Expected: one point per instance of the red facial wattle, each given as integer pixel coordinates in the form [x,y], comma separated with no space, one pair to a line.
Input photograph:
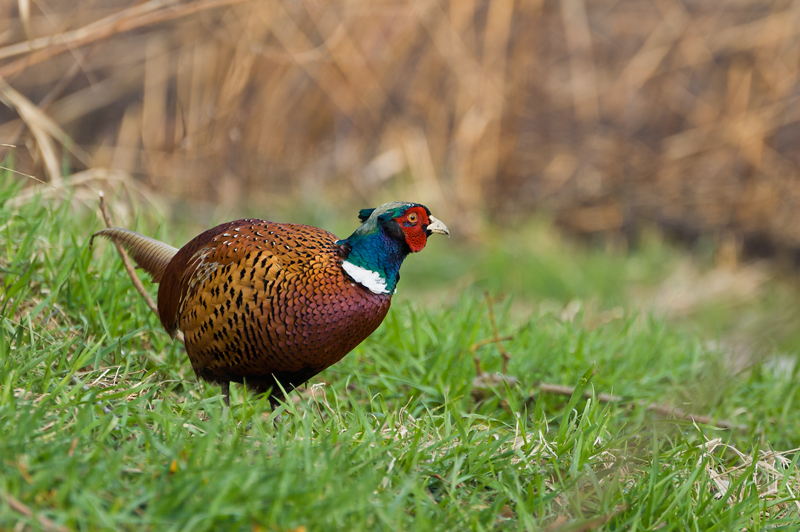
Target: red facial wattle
[413,223]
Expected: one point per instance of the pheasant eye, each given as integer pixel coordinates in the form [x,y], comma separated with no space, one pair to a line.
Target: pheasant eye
[412,217]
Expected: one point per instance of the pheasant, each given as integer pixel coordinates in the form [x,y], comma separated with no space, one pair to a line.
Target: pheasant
[269,304]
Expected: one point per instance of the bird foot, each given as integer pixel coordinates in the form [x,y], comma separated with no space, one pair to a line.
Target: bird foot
[226,393]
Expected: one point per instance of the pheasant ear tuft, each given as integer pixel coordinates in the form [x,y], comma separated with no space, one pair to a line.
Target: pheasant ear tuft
[387,216]
[364,214]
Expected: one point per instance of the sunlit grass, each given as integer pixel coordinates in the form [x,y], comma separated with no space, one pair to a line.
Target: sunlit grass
[104,426]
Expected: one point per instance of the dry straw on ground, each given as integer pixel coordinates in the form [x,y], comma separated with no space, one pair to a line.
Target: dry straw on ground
[606,113]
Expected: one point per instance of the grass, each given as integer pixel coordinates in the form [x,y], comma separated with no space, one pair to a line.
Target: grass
[104,427]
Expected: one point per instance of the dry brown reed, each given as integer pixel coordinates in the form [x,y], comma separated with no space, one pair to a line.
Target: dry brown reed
[606,113]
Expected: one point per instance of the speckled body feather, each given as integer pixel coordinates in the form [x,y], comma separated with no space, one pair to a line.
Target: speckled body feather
[273,304]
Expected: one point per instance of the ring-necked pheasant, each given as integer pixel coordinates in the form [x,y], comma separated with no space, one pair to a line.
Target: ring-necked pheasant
[266,303]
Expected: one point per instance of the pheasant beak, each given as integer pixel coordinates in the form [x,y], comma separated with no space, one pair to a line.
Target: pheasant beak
[436,226]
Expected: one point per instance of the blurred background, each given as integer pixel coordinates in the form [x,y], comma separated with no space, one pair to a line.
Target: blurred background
[563,141]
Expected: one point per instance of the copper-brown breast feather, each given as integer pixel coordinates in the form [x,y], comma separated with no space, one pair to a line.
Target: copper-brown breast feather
[257,298]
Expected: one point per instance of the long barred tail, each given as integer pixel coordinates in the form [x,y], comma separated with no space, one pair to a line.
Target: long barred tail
[149,254]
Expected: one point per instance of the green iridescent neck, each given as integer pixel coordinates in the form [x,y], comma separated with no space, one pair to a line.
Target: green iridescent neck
[375,255]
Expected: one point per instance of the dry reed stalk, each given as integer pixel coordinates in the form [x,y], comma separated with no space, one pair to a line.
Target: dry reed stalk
[682,114]
[40,125]
[148,13]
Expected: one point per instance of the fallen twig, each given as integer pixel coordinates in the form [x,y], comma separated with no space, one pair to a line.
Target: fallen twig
[484,381]
[503,352]
[589,524]
[129,266]
[661,409]
[19,507]
[125,259]
[497,339]
[488,341]
[478,345]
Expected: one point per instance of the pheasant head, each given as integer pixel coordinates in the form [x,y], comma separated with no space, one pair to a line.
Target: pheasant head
[375,251]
